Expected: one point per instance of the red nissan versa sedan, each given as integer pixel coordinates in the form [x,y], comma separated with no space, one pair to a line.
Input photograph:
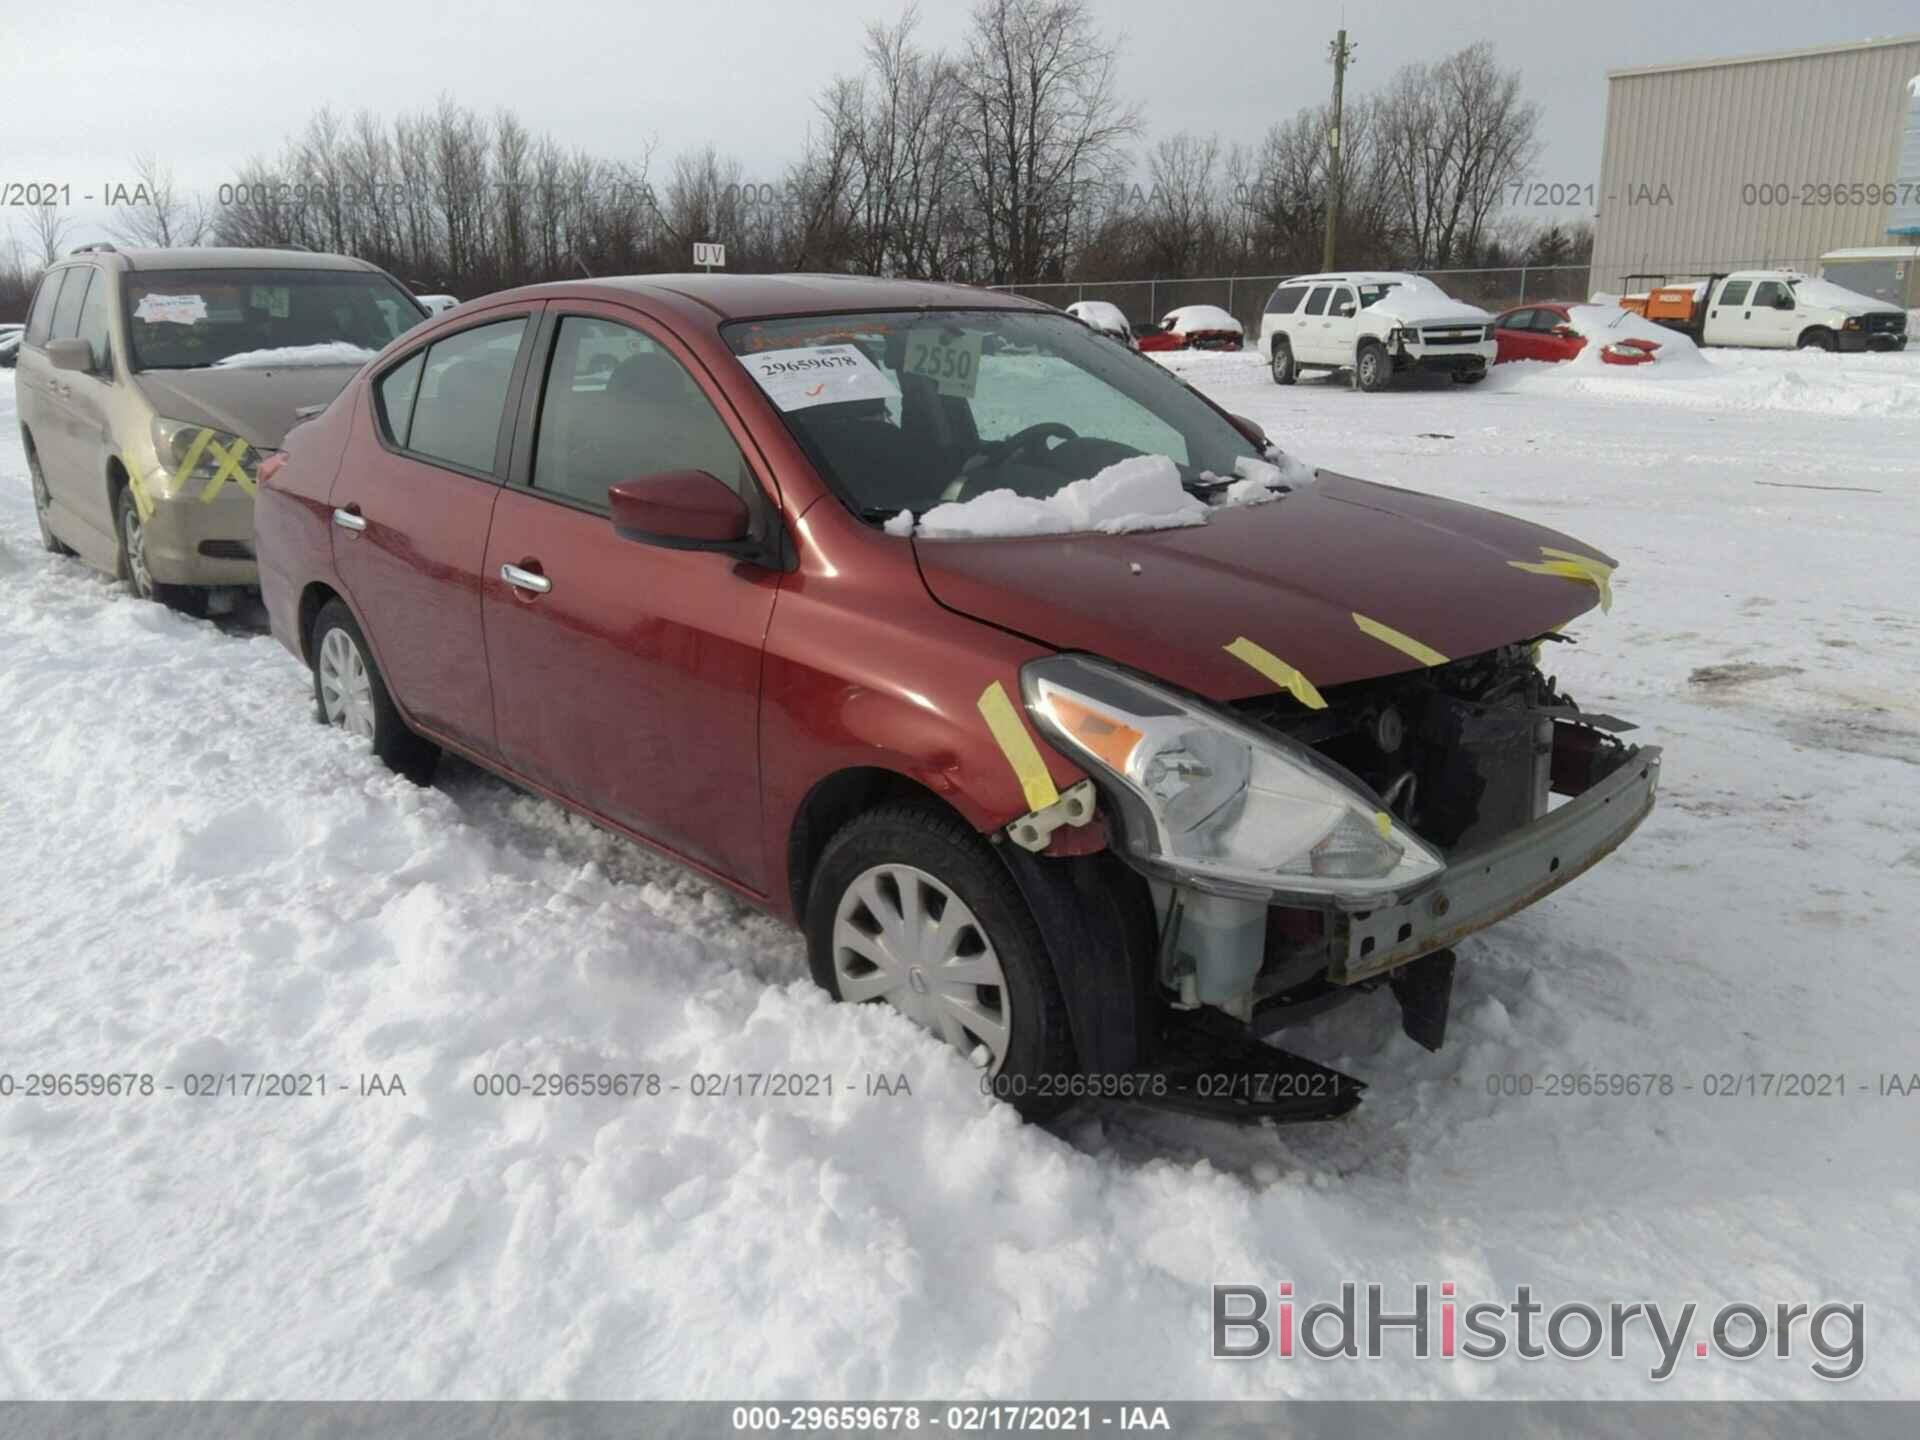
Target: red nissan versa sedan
[1096,808]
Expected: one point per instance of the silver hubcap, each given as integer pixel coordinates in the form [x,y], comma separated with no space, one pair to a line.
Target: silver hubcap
[903,937]
[346,690]
[136,541]
[1369,368]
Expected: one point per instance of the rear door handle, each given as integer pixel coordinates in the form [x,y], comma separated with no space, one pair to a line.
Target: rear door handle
[528,580]
[350,518]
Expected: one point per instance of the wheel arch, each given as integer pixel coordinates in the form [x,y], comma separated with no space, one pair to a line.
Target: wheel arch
[838,798]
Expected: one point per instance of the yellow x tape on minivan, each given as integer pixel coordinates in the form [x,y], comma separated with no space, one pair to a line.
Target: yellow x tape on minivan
[230,468]
[142,501]
[1569,566]
[1017,745]
[1405,644]
[1278,671]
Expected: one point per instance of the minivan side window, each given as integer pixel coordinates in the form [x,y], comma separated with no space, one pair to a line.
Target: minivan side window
[93,323]
[66,313]
[1734,291]
[463,394]
[1286,299]
[1317,303]
[40,322]
[618,406]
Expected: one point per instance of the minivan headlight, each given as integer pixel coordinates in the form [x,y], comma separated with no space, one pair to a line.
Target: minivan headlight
[178,441]
[1222,804]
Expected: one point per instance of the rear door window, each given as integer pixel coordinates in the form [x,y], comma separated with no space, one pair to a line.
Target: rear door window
[1317,302]
[463,395]
[40,322]
[1734,292]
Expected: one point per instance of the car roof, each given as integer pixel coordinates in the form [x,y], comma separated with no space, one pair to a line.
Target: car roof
[222,257]
[1352,277]
[764,297]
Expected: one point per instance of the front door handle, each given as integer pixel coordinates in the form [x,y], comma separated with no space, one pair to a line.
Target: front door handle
[350,519]
[529,580]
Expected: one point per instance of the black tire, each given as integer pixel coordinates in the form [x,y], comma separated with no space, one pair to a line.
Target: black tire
[403,752]
[1817,337]
[42,502]
[1284,370]
[130,564]
[1469,377]
[1372,369]
[1040,1044]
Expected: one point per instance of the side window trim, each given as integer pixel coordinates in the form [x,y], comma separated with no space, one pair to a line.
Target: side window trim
[534,315]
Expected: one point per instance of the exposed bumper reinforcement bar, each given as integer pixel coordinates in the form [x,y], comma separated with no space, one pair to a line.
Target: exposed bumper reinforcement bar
[1483,886]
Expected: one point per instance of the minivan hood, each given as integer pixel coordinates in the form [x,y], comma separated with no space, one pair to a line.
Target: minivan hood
[257,403]
[1289,575]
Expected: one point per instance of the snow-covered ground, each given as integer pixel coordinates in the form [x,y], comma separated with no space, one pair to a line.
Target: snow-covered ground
[199,879]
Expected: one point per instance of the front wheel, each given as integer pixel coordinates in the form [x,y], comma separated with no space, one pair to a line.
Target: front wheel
[131,527]
[1817,338]
[1469,377]
[911,907]
[349,693]
[1284,372]
[1371,367]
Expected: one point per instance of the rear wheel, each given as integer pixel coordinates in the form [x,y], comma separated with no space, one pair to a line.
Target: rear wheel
[1371,367]
[131,528]
[1817,338]
[350,694]
[43,504]
[1283,368]
[911,907]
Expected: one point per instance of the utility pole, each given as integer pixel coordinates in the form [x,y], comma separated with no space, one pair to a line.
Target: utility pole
[1341,53]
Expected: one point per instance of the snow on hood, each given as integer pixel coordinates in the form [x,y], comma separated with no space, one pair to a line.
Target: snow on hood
[1426,304]
[1838,297]
[1192,319]
[1139,493]
[1101,314]
[334,352]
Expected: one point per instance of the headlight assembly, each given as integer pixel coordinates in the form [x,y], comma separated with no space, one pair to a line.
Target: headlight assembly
[191,454]
[1219,804]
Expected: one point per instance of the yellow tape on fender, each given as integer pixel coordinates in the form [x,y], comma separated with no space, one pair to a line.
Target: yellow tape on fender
[1017,745]
[1569,566]
[1278,671]
[1405,644]
[142,501]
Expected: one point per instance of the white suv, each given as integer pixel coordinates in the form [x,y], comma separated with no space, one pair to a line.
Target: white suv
[1376,324]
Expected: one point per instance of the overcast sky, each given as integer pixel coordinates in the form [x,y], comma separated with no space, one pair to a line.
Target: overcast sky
[208,85]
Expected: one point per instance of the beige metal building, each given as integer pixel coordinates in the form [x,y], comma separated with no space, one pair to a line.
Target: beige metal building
[1755,161]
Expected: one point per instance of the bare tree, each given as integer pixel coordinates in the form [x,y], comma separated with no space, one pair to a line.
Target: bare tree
[171,215]
[48,229]
[1041,120]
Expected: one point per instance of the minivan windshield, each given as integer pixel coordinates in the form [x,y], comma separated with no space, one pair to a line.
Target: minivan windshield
[187,319]
[902,410]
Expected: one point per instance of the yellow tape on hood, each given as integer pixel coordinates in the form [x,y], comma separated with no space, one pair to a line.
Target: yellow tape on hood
[1569,566]
[1017,745]
[1278,671]
[1405,644]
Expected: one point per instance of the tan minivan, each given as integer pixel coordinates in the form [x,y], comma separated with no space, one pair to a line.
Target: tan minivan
[151,382]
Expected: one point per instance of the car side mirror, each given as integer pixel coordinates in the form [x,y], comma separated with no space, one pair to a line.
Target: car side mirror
[681,510]
[70,354]
[1251,429]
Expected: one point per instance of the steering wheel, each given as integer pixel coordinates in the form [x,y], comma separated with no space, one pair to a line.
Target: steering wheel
[1001,451]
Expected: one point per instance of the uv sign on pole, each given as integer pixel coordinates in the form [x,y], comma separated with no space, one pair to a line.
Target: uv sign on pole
[710,255]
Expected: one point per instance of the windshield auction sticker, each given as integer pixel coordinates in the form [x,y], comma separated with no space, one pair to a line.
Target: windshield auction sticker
[818,375]
[950,358]
[171,309]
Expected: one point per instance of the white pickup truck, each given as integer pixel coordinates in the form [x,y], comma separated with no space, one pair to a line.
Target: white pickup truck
[1774,309]
[1377,324]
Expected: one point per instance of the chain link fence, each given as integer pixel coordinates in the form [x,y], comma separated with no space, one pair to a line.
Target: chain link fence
[1245,296]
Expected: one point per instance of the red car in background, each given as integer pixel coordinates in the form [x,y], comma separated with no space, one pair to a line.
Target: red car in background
[1545,332]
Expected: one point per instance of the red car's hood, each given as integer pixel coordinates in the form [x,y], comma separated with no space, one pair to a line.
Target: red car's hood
[1289,575]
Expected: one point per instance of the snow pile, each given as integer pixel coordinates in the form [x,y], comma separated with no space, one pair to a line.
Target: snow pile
[1199,319]
[333,352]
[1677,358]
[1140,493]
